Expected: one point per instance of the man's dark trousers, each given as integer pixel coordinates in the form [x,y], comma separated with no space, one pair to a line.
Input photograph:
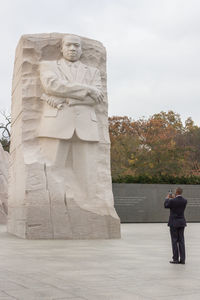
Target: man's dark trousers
[178,243]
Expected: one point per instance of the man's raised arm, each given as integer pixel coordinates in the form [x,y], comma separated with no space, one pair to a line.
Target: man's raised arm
[168,202]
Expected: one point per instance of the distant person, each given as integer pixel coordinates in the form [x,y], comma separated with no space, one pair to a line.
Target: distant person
[177,223]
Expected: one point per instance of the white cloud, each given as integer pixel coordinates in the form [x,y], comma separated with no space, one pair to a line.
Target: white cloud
[153,48]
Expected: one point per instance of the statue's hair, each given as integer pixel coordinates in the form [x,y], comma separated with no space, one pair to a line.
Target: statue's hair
[68,35]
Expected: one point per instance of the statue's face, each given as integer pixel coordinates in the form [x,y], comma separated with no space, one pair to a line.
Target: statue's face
[71,48]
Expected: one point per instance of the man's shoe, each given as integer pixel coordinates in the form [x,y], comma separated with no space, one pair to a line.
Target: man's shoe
[181,262]
[174,262]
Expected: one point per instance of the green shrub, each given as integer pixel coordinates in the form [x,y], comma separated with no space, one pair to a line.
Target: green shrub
[158,179]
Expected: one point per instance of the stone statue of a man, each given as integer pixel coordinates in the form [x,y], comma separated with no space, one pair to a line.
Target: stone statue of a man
[60,184]
[68,129]
[72,90]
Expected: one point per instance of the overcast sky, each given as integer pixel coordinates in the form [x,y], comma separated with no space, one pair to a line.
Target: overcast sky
[153,48]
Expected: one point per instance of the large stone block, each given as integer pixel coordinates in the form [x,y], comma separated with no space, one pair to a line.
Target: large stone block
[60,181]
[4,165]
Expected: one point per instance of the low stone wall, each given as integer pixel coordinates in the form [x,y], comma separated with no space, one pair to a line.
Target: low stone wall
[143,203]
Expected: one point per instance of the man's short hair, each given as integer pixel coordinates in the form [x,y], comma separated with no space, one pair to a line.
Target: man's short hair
[179,191]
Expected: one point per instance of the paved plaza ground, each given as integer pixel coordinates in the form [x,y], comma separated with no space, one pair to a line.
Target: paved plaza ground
[133,268]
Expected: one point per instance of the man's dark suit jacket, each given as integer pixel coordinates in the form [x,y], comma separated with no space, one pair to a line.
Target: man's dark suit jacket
[177,206]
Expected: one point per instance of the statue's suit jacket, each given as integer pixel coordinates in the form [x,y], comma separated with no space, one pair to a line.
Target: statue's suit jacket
[177,206]
[78,112]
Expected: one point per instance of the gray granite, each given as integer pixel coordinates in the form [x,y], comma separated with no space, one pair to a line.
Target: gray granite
[144,202]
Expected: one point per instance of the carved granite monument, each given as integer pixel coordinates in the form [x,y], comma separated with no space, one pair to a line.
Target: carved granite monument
[60,183]
[4,164]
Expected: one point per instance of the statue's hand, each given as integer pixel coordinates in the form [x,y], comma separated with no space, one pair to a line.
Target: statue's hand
[56,103]
[96,95]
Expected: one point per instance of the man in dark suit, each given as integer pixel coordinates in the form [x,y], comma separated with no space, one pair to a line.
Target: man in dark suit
[177,225]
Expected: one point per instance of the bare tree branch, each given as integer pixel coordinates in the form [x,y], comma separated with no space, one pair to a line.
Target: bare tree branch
[5,126]
[5,130]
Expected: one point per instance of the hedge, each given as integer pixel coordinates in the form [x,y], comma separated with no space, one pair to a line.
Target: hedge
[157,179]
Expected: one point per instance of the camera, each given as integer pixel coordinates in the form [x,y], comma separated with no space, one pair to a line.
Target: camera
[170,193]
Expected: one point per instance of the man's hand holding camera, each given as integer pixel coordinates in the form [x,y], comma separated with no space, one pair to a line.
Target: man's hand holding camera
[170,195]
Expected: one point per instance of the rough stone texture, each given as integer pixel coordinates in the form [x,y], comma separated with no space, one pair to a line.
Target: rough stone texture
[4,165]
[39,206]
[144,202]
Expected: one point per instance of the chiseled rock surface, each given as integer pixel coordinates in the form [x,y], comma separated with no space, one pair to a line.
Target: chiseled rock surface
[4,165]
[45,200]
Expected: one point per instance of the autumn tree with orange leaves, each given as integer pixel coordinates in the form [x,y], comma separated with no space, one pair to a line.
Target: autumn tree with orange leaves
[159,145]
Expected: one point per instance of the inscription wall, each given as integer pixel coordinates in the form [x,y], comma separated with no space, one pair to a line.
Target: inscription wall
[145,202]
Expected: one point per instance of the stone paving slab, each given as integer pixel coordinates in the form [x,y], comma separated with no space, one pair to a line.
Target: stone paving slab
[133,268]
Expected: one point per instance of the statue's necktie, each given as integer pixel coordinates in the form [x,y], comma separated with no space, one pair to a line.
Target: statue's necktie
[73,70]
